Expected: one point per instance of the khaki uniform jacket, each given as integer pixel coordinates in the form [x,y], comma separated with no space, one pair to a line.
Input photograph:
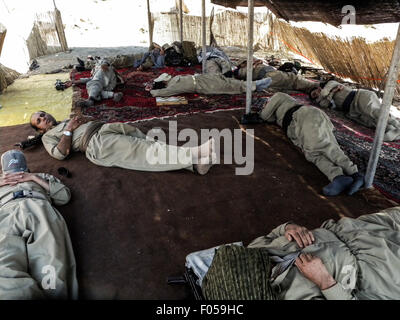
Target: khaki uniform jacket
[34,241]
[361,254]
[364,109]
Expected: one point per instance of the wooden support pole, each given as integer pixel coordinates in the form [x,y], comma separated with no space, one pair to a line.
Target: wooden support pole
[60,29]
[203,29]
[384,113]
[180,21]
[149,23]
[249,77]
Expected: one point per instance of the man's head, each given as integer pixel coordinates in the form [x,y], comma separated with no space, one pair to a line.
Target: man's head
[161,81]
[315,93]
[42,121]
[242,63]
[13,161]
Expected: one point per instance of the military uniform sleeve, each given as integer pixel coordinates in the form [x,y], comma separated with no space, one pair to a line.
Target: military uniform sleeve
[325,102]
[59,193]
[50,143]
[337,292]
[278,231]
[266,240]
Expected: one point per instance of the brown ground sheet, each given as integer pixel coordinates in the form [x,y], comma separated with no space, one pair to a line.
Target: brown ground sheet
[131,230]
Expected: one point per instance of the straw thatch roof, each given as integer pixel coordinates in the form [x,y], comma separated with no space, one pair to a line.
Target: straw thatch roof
[367,12]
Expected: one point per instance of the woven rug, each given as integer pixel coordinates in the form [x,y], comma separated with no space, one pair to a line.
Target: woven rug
[138,104]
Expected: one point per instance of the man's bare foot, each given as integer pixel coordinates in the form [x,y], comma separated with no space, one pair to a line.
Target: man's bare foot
[202,169]
[204,151]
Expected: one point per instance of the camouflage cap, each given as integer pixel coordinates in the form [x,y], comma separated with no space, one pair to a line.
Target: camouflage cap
[13,161]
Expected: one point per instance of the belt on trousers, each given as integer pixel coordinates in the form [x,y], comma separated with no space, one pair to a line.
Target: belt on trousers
[288,117]
[22,194]
[347,102]
[90,131]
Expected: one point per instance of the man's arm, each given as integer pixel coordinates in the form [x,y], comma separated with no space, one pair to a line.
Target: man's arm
[61,148]
[314,270]
[291,231]
[58,192]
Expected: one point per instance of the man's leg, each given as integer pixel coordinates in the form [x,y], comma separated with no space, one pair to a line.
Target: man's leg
[94,91]
[141,61]
[50,254]
[117,96]
[124,146]
[212,67]
[313,133]
[369,107]
[218,84]
[15,280]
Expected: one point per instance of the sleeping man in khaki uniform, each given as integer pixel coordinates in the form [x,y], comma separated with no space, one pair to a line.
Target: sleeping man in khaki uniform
[362,106]
[101,84]
[212,83]
[36,256]
[310,129]
[348,259]
[118,145]
[280,80]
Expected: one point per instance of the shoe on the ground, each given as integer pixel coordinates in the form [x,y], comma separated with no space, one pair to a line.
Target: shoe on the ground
[251,118]
[88,103]
[118,96]
[263,84]
[81,62]
[358,182]
[337,186]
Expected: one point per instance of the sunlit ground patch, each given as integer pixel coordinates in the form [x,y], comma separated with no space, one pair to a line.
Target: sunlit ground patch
[26,96]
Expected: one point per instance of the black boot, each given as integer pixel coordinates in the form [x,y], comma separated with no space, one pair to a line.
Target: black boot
[251,118]
[358,182]
[88,103]
[337,186]
[81,62]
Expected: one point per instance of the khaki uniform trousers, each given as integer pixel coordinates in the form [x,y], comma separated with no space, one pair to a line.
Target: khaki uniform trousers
[312,131]
[124,146]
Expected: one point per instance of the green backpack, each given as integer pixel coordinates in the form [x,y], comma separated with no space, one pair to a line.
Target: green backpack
[239,273]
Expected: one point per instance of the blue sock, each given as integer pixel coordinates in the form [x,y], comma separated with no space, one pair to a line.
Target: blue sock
[337,186]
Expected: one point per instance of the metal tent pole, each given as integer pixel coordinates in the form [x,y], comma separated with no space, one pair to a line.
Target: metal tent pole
[250,26]
[203,29]
[384,113]
[149,22]
[180,21]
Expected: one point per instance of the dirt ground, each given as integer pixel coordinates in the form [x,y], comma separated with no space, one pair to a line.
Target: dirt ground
[131,230]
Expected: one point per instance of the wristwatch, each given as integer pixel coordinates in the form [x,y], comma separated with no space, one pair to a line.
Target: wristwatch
[67,133]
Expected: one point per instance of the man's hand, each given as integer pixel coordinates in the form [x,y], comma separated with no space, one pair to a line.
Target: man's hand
[257,62]
[76,122]
[338,88]
[314,270]
[301,235]
[16,177]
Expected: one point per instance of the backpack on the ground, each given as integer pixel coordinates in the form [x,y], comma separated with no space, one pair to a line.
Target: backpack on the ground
[189,53]
[174,56]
